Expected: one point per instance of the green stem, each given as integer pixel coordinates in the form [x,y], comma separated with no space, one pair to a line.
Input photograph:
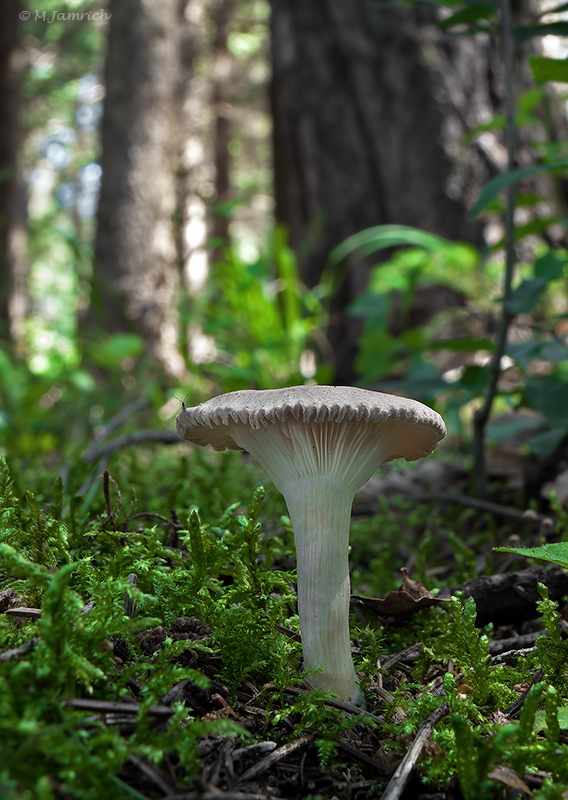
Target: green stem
[481,416]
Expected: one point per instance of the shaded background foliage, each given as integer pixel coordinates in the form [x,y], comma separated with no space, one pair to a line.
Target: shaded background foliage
[207,196]
[179,178]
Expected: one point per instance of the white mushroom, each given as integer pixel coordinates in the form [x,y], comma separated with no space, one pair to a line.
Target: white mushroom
[319,444]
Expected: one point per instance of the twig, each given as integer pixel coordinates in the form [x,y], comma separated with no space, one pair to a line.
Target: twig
[340,705]
[160,437]
[481,505]
[21,650]
[115,707]
[276,755]
[508,654]
[176,692]
[287,632]
[254,750]
[382,769]
[152,774]
[130,603]
[112,424]
[481,416]
[400,778]
[223,769]
[22,611]
[394,658]
[516,706]
[216,795]
[161,517]
[502,649]
[106,492]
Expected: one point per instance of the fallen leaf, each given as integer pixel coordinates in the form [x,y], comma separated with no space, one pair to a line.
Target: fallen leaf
[411,597]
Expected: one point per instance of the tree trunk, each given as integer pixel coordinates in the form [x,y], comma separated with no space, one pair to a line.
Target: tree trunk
[359,131]
[136,276]
[221,11]
[13,263]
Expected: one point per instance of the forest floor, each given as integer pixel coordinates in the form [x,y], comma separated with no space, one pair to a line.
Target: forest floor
[438,663]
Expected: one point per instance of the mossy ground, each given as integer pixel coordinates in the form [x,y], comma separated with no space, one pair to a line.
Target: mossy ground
[163,657]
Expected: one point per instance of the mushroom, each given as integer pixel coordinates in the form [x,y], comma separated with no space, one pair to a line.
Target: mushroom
[318,444]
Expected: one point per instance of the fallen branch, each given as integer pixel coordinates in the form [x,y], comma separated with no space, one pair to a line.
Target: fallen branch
[23,611]
[115,707]
[216,795]
[272,758]
[21,650]
[379,766]
[341,705]
[400,778]
[158,437]
[511,597]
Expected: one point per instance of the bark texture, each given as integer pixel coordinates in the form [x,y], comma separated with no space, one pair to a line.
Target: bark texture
[137,272]
[511,597]
[13,264]
[360,134]
[221,12]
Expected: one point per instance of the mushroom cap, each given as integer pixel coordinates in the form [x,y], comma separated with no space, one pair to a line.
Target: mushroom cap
[215,422]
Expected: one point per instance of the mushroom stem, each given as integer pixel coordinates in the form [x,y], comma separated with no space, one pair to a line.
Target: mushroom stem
[320,512]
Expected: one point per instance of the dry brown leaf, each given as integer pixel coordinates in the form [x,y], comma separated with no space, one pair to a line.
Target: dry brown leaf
[411,597]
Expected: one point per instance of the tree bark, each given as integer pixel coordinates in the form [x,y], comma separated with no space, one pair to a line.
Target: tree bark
[359,130]
[221,11]
[13,263]
[510,598]
[137,274]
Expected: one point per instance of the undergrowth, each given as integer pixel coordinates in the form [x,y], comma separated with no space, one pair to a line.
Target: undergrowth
[112,586]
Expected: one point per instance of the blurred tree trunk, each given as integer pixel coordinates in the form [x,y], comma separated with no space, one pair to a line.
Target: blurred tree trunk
[13,263]
[359,135]
[221,12]
[137,274]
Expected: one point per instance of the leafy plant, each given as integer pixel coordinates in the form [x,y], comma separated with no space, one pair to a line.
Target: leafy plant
[262,326]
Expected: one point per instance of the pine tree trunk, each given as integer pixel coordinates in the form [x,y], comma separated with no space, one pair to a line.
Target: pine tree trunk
[137,273]
[221,11]
[13,263]
[359,130]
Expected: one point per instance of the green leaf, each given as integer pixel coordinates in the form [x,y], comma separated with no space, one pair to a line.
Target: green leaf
[549,69]
[525,32]
[521,423]
[549,395]
[423,380]
[557,552]
[382,236]
[468,15]
[524,353]
[563,717]
[526,296]
[550,266]
[369,305]
[474,380]
[112,351]
[545,443]
[495,185]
